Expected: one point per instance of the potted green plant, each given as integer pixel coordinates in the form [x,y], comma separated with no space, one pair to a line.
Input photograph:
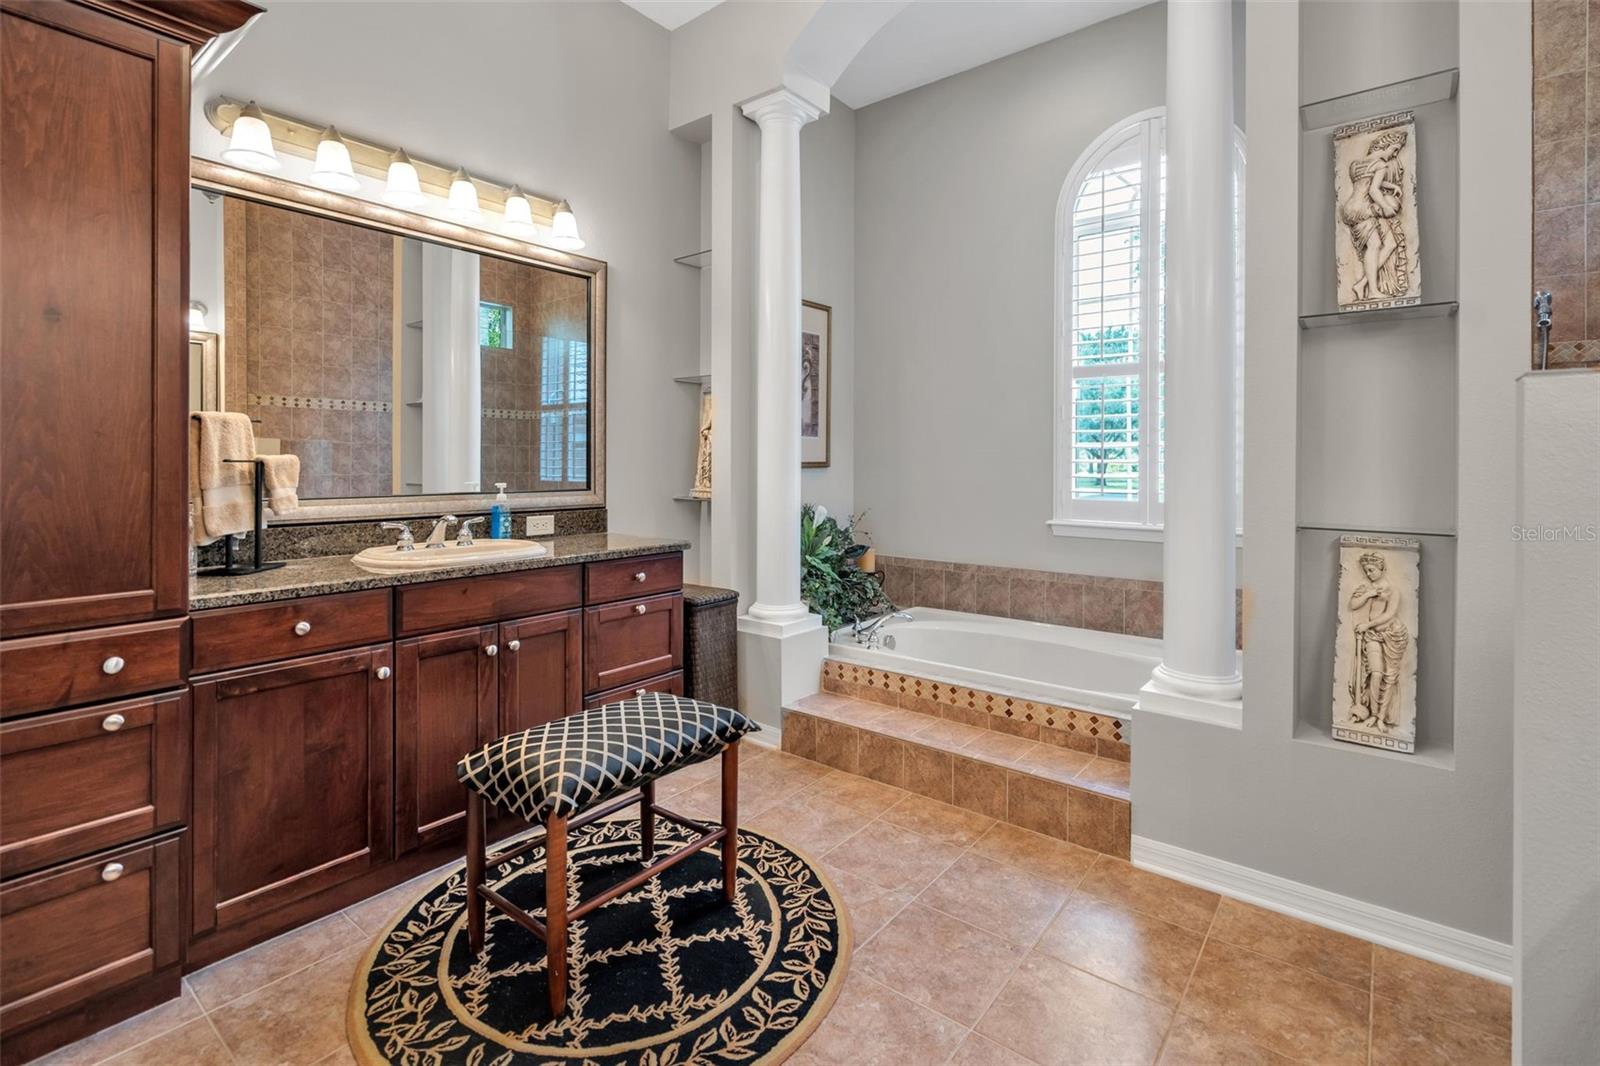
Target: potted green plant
[830,582]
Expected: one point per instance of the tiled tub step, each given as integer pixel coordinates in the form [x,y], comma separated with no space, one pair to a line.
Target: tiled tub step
[1068,794]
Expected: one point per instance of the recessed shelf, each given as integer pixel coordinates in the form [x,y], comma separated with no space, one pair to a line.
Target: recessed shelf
[698,260]
[1437,309]
[701,380]
[1368,531]
[1380,100]
[692,499]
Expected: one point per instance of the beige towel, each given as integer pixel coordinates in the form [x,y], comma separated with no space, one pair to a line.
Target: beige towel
[222,489]
[283,481]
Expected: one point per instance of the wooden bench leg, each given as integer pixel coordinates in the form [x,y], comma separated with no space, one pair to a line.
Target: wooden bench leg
[475,863]
[555,907]
[647,820]
[730,821]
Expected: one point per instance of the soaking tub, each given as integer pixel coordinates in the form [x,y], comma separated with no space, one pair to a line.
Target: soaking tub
[1080,668]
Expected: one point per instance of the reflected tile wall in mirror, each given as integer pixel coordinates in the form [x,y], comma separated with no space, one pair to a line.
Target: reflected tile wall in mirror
[345,345]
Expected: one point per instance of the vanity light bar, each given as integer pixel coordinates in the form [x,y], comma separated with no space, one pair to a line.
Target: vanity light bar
[301,138]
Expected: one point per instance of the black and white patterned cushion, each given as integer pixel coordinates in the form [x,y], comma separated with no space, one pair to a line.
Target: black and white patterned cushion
[566,766]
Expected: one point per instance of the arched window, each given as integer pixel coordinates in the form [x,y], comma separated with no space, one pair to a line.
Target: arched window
[1110,330]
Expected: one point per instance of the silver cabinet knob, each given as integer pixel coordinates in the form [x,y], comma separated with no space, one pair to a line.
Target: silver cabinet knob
[112,665]
[514,645]
[640,691]
[491,650]
[640,576]
[111,871]
[302,628]
[383,673]
[113,722]
[639,608]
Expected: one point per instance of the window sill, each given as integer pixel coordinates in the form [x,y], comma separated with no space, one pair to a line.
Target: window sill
[1063,527]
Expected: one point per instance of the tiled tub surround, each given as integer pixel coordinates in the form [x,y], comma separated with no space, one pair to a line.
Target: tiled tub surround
[1083,601]
[1058,791]
[317,539]
[1061,727]
[1566,176]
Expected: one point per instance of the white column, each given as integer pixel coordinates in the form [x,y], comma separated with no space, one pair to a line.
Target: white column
[780,115]
[1199,672]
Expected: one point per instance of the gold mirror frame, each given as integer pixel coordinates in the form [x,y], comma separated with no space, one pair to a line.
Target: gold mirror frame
[219,177]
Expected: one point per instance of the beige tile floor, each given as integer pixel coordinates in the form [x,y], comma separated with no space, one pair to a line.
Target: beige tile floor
[977,943]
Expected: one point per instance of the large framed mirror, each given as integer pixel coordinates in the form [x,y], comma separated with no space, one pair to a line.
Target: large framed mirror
[409,362]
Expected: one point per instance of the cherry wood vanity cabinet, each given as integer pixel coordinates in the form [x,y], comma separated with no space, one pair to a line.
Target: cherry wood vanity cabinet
[94,195]
[294,807]
[292,782]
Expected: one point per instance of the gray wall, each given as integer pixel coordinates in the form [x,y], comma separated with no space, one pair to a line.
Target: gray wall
[956,189]
[828,276]
[568,100]
[1428,836]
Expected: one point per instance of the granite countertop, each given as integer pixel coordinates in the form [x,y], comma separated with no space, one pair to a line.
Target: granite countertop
[336,573]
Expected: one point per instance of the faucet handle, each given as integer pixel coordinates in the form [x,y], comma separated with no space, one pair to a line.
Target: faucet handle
[464,534]
[406,542]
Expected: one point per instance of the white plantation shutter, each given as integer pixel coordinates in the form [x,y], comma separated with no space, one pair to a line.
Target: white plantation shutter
[1110,328]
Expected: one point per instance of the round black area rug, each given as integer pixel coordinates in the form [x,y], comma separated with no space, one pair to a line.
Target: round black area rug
[664,975]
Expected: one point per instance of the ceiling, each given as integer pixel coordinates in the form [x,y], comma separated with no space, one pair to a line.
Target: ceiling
[671,13]
[933,39]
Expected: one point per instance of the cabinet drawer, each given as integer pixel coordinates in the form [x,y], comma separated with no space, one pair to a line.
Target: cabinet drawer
[621,579]
[631,641]
[672,683]
[261,633]
[42,673]
[471,601]
[74,782]
[86,927]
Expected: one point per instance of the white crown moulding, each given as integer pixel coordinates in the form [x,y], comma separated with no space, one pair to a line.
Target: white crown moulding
[300,137]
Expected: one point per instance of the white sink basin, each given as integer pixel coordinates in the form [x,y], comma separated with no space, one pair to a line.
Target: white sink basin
[389,560]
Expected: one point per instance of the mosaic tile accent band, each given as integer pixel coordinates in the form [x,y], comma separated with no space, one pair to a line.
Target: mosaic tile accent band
[1066,727]
[510,413]
[319,403]
[1083,601]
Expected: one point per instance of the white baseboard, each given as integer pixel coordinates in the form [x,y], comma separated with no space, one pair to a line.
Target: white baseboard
[1404,932]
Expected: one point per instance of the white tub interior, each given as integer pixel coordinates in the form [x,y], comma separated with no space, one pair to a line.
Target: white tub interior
[1067,667]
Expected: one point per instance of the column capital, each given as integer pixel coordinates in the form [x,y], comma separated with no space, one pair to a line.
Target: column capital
[781,106]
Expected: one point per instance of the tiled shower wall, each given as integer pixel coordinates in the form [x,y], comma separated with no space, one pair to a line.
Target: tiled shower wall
[311,355]
[1566,175]
[1083,601]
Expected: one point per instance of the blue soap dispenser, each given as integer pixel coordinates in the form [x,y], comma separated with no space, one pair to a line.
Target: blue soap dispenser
[500,514]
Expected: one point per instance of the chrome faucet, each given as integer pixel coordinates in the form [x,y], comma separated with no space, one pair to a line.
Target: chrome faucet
[436,538]
[464,534]
[406,543]
[866,633]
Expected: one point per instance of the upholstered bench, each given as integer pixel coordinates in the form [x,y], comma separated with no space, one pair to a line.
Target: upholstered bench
[561,775]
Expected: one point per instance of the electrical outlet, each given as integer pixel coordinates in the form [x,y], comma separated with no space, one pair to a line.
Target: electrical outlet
[541,525]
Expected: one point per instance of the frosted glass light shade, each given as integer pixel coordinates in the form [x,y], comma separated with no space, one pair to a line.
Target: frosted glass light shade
[564,229]
[197,317]
[403,188]
[463,202]
[250,142]
[332,169]
[519,214]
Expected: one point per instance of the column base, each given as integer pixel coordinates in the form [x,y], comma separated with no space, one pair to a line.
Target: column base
[778,664]
[784,614]
[1214,701]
